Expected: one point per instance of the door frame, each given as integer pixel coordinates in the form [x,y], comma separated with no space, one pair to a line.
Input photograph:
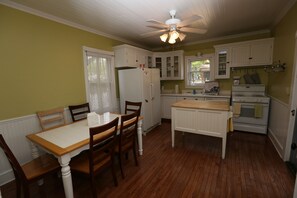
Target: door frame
[293,105]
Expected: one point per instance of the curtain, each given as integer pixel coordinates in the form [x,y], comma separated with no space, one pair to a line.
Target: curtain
[100,83]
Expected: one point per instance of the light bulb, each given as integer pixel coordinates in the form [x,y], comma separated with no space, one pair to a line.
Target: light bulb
[171,40]
[174,34]
[164,37]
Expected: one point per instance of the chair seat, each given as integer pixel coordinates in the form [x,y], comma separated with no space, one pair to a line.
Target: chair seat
[81,163]
[40,166]
[125,147]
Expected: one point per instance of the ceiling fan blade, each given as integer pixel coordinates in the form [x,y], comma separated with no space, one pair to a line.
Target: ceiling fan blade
[161,24]
[157,27]
[148,34]
[193,30]
[190,20]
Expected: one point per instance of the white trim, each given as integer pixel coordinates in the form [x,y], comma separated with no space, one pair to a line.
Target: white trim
[112,63]
[204,56]
[292,106]
[62,21]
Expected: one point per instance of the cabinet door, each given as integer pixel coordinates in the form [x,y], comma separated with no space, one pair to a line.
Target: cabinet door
[261,53]
[166,102]
[240,55]
[222,64]
[158,63]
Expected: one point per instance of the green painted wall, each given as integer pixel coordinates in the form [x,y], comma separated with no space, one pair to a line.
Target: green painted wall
[206,48]
[284,47]
[41,63]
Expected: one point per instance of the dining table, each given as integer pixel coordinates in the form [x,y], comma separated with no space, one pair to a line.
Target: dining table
[69,140]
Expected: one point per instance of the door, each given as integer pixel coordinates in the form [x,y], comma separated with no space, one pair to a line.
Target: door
[147,103]
[156,100]
[293,154]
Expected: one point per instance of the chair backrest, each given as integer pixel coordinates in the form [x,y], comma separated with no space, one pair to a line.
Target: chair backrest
[102,139]
[132,107]
[128,128]
[16,167]
[51,118]
[79,112]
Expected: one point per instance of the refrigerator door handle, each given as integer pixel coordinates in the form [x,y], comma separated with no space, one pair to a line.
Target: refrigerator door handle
[152,91]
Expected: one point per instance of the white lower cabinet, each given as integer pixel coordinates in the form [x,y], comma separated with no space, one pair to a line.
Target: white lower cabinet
[166,102]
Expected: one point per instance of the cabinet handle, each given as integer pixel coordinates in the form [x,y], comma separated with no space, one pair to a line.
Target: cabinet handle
[250,58]
[228,62]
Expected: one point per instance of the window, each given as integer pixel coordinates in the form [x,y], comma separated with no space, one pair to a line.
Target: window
[199,70]
[99,78]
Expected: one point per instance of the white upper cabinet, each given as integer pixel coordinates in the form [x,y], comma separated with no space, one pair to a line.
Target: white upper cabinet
[171,65]
[252,53]
[129,56]
[222,62]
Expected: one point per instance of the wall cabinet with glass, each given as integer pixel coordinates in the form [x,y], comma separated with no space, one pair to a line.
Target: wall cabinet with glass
[222,62]
[170,65]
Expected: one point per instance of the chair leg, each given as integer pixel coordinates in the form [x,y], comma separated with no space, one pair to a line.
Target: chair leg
[135,155]
[94,192]
[121,164]
[26,191]
[19,188]
[113,174]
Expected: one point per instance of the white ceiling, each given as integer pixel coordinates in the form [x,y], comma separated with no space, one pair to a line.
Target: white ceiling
[125,20]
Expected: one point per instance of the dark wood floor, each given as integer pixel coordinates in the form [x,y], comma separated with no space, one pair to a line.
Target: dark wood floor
[194,168]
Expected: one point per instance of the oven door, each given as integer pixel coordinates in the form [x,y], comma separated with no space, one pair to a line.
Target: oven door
[248,113]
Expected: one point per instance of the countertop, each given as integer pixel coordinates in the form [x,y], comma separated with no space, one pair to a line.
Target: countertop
[199,95]
[197,104]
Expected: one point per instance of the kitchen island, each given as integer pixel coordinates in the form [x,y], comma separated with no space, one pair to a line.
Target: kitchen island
[201,117]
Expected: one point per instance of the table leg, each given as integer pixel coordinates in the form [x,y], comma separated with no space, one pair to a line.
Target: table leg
[66,175]
[172,130]
[223,147]
[139,136]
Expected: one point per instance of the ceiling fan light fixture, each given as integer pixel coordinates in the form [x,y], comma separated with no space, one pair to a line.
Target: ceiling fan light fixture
[182,36]
[164,37]
[171,40]
[174,35]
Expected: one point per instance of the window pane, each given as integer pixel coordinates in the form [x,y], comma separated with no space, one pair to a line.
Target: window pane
[199,71]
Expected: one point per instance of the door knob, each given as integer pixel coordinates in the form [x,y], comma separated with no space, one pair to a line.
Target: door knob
[293,112]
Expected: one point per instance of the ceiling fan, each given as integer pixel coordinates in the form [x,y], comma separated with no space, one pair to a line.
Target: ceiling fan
[173,28]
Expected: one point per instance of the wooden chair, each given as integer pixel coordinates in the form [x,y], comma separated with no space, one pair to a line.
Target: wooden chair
[100,154]
[79,112]
[132,107]
[31,171]
[51,118]
[127,140]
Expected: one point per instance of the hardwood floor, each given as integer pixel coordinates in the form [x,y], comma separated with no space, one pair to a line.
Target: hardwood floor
[194,168]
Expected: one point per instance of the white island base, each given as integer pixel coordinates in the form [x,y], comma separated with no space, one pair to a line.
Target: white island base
[201,117]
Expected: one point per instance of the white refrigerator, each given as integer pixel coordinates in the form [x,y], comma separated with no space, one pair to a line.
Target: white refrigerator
[142,85]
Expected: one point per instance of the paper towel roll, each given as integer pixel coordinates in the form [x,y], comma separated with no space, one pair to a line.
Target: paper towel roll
[176,89]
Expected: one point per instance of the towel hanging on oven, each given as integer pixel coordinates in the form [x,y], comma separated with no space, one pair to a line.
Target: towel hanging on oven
[236,109]
[258,110]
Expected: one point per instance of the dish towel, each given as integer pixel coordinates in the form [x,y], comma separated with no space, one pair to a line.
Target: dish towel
[236,109]
[258,110]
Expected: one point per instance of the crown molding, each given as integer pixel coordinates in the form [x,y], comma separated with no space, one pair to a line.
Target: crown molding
[63,21]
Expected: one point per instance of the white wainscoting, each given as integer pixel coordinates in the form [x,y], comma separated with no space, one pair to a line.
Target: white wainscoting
[278,125]
[14,132]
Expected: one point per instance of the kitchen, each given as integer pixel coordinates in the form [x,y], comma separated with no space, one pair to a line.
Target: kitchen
[278,84]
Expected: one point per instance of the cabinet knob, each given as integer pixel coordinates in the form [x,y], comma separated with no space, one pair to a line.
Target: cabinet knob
[250,58]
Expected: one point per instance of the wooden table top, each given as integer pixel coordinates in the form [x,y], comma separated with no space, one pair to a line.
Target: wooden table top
[201,104]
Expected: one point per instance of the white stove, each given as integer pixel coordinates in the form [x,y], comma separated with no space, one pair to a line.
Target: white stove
[250,108]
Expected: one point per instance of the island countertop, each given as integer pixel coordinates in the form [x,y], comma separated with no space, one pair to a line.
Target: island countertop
[198,104]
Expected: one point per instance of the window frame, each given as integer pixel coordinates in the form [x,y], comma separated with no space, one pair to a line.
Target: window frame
[106,54]
[189,59]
